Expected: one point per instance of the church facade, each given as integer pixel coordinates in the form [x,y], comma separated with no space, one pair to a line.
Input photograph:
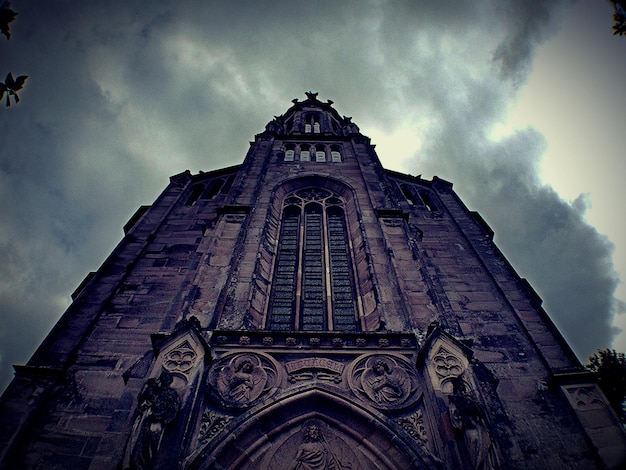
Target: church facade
[306,309]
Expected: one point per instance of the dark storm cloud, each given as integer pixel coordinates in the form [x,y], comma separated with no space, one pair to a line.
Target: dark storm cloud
[124,94]
[545,238]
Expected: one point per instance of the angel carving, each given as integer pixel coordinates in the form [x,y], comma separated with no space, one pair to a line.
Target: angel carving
[242,380]
[384,382]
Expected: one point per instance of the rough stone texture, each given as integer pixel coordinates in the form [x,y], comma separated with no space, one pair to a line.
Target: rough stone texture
[452,362]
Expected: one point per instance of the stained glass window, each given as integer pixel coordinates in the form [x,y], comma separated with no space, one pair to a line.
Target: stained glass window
[313,283]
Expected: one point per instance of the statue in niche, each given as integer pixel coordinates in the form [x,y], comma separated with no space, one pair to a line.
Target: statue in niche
[241,380]
[469,420]
[158,406]
[384,382]
[315,453]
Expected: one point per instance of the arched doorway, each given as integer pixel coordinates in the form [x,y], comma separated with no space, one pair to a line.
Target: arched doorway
[312,429]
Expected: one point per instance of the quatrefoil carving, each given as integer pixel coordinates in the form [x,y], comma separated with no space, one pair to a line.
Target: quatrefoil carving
[181,359]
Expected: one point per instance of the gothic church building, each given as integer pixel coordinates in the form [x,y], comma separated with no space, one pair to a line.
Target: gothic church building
[306,309]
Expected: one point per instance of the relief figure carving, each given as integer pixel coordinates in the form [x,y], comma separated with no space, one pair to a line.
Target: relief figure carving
[241,379]
[315,453]
[384,382]
[388,381]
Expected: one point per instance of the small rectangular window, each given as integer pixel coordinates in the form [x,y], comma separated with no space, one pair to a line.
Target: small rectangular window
[305,156]
[335,156]
[320,156]
[316,127]
[289,155]
[307,128]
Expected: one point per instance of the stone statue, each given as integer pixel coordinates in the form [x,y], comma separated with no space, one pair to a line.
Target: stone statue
[158,406]
[469,420]
[315,454]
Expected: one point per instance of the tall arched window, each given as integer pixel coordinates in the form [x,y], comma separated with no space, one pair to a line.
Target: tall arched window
[313,285]
[312,124]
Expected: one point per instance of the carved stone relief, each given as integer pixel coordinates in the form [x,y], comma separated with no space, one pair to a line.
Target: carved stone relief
[414,426]
[238,380]
[182,358]
[211,424]
[445,363]
[314,446]
[313,368]
[585,397]
[386,381]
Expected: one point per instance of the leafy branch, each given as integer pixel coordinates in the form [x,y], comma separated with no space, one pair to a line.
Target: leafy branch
[610,369]
[6,17]
[11,86]
[619,17]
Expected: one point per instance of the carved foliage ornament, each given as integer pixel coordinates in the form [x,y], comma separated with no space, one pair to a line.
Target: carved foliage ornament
[414,426]
[238,380]
[211,424]
[388,382]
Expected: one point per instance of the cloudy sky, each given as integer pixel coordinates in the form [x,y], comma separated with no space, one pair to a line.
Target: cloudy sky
[520,104]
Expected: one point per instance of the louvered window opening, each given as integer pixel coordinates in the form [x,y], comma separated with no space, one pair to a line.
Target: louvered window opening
[313,285]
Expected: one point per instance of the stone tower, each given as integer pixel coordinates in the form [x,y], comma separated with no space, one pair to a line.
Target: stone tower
[306,309]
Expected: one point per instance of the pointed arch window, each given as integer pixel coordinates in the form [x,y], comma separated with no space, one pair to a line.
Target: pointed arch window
[313,285]
[312,124]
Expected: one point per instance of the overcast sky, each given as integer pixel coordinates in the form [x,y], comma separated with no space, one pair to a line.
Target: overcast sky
[520,104]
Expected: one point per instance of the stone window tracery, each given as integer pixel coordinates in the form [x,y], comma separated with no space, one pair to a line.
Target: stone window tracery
[313,283]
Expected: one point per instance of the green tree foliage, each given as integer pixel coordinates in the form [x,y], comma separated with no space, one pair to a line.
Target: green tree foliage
[6,17]
[610,367]
[11,86]
[619,17]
